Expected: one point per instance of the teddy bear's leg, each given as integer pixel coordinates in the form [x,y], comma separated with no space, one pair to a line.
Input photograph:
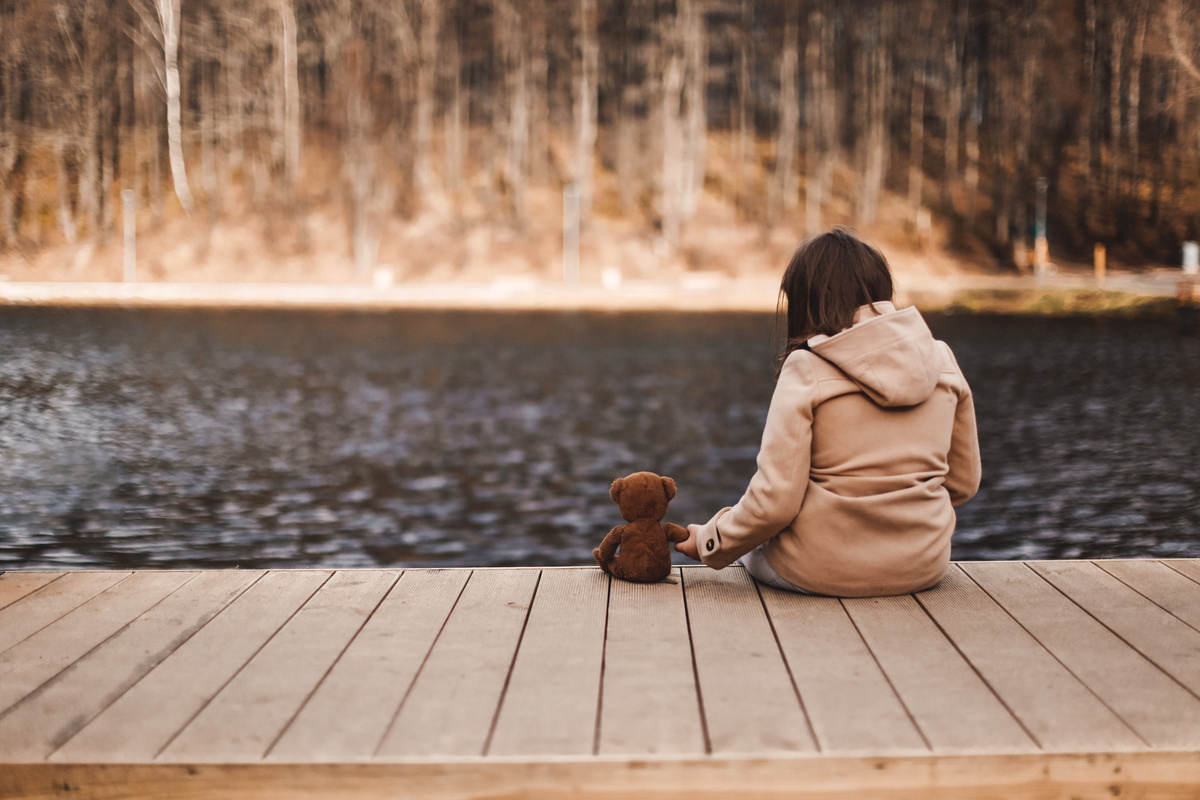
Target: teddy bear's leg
[608,549]
[599,556]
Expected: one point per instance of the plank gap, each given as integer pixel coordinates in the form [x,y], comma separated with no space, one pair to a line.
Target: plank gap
[16,586]
[1125,581]
[911,717]
[1194,693]
[487,742]
[317,685]
[603,663]
[1054,655]
[977,672]
[812,732]
[208,701]
[420,669]
[695,671]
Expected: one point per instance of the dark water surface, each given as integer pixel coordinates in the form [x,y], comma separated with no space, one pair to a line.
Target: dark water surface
[139,438]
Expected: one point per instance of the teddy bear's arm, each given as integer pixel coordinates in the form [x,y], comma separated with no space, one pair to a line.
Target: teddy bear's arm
[608,548]
[676,533]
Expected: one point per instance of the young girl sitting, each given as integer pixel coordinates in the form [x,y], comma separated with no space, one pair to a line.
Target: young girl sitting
[869,443]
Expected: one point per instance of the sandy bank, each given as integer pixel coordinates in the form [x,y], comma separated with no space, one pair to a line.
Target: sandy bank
[1133,294]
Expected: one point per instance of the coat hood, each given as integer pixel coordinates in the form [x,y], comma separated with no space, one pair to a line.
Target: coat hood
[890,354]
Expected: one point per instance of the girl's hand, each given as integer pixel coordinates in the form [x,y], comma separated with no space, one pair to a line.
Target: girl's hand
[688,547]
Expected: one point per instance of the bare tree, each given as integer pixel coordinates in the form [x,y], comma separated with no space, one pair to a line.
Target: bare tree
[819,117]
[587,64]
[875,69]
[916,152]
[290,64]
[782,194]
[161,19]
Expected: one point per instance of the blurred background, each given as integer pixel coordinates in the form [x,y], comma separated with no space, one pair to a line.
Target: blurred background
[636,173]
[315,140]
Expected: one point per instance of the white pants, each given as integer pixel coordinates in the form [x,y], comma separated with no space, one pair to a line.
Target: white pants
[760,569]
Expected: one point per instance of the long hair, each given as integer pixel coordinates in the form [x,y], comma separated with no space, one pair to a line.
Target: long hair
[828,278]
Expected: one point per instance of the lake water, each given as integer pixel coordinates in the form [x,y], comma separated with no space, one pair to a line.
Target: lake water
[155,438]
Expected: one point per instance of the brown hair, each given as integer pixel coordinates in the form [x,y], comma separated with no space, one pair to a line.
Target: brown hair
[829,276]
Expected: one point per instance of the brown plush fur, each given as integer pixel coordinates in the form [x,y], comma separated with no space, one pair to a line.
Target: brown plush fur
[645,552]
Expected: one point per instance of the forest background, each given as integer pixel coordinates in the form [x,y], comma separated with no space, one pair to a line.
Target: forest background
[315,140]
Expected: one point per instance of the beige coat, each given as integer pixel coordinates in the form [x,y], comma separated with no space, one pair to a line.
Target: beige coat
[869,443]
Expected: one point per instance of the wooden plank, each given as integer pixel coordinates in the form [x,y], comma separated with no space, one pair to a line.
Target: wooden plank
[849,701]
[248,714]
[552,701]
[1162,712]
[1057,710]
[455,697]
[952,707]
[1161,637]
[1188,567]
[28,665]
[1164,586]
[649,702]
[750,704]
[349,714]
[29,615]
[15,585]
[47,718]
[142,721]
[1146,775]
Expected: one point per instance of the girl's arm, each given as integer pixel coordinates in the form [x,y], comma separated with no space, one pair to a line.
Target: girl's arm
[777,489]
[964,467]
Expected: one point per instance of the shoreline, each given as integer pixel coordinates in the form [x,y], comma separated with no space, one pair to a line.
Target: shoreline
[1124,295]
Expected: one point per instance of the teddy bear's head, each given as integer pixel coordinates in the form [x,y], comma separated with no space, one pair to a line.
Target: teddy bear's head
[642,495]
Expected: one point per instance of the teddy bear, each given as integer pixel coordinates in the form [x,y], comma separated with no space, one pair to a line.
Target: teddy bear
[640,551]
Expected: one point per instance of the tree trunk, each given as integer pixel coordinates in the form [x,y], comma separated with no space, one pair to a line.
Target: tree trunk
[587,67]
[1132,120]
[89,168]
[168,19]
[455,142]
[66,216]
[916,153]
[743,113]
[426,98]
[9,149]
[291,97]
[672,155]
[539,89]
[971,137]
[877,91]
[820,118]
[514,62]
[782,193]
[1087,130]
[954,104]
[695,55]
[627,160]
[1117,35]
[208,135]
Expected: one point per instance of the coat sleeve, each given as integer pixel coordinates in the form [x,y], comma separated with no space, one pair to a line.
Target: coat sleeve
[964,466]
[773,498]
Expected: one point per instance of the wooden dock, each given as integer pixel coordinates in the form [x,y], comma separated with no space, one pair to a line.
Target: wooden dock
[1070,679]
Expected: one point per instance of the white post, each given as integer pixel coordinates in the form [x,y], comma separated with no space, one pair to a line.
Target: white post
[571,235]
[1191,258]
[1041,248]
[130,213]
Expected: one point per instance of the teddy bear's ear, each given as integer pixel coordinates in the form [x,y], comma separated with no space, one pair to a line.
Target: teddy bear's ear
[615,491]
[669,487]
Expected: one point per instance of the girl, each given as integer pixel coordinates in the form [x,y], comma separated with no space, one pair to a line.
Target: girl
[869,442]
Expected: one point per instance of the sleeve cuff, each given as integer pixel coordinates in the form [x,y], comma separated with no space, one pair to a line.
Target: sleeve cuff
[708,542]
